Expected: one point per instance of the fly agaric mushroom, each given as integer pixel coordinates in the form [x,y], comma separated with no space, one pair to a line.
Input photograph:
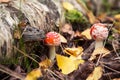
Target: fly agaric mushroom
[99,33]
[52,40]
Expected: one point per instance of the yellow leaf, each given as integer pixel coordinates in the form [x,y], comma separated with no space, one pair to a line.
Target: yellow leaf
[77,60]
[34,74]
[79,56]
[45,63]
[99,51]
[96,74]
[62,39]
[65,64]
[116,79]
[117,16]
[86,33]
[67,6]
[5,0]
[74,51]
[68,64]
[17,34]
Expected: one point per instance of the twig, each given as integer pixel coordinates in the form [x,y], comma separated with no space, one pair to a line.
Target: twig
[10,72]
[115,51]
[25,54]
[54,74]
[111,69]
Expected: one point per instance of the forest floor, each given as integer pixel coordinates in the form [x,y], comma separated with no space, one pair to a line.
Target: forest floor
[77,57]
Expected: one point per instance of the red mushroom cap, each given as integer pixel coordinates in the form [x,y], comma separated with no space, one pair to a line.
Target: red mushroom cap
[52,39]
[99,31]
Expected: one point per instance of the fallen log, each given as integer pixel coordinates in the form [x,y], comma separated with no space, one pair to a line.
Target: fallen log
[17,14]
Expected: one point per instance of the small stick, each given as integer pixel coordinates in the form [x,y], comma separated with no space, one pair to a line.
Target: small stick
[11,73]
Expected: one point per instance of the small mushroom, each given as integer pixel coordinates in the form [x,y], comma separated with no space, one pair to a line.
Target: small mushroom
[52,40]
[99,33]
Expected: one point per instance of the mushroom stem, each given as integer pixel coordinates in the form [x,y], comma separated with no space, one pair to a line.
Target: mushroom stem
[52,53]
[98,44]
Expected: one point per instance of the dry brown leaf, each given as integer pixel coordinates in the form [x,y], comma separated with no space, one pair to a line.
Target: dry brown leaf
[65,62]
[102,16]
[96,74]
[73,51]
[99,51]
[34,74]
[67,28]
[87,33]
[91,17]
[45,63]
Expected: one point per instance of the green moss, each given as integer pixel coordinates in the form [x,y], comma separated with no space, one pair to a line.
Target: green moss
[73,16]
[77,19]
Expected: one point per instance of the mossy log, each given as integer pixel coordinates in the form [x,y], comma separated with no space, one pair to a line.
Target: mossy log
[40,14]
